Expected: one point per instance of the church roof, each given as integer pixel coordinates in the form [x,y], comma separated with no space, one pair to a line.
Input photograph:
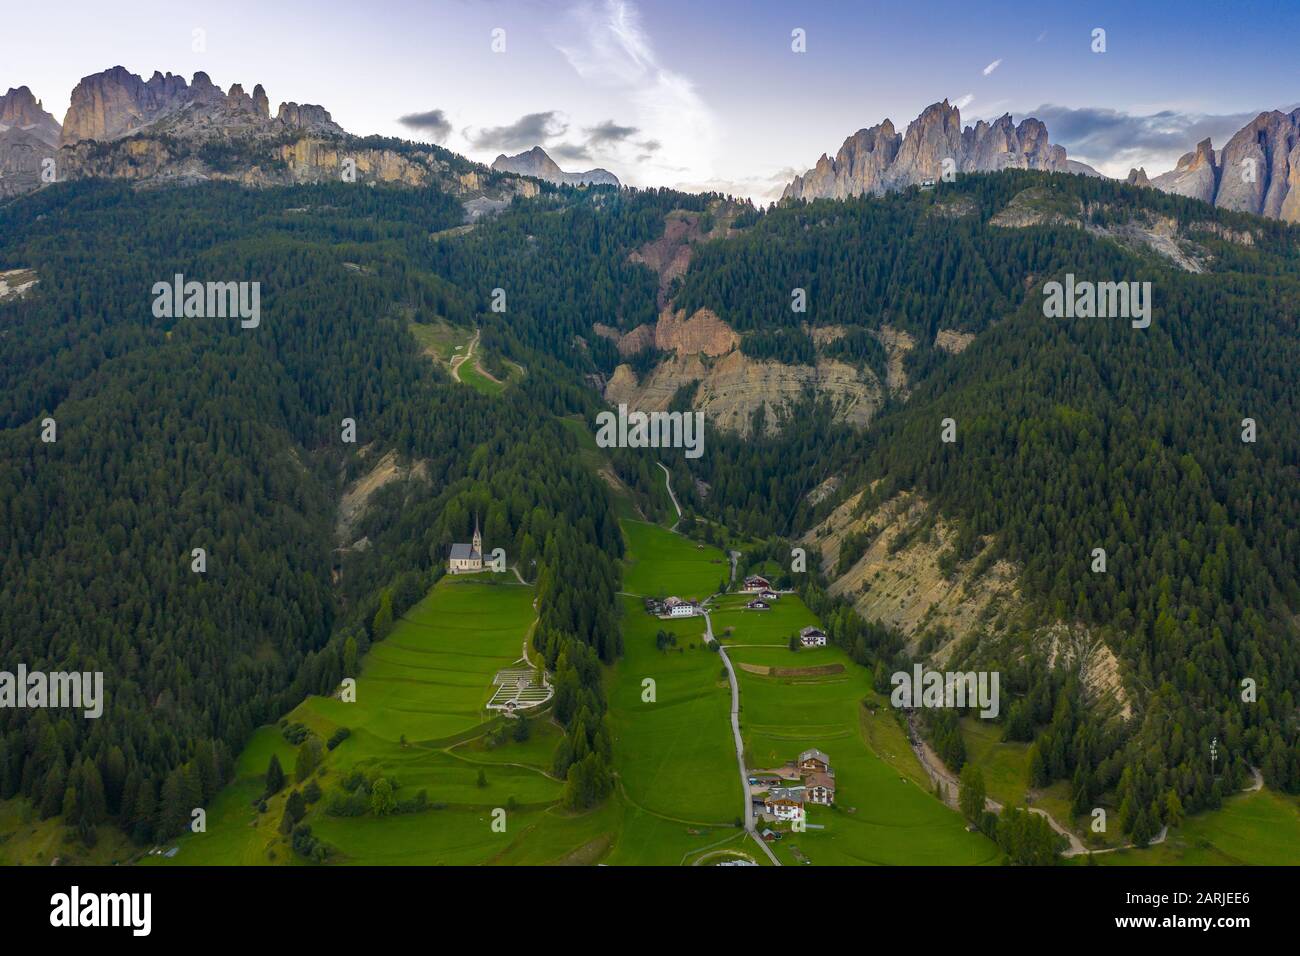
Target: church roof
[460,550]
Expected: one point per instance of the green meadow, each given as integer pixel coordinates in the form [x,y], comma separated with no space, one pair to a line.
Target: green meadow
[471,375]
[733,624]
[659,563]
[1261,828]
[440,338]
[674,756]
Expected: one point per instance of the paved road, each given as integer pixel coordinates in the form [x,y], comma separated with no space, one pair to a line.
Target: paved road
[740,746]
[735,696]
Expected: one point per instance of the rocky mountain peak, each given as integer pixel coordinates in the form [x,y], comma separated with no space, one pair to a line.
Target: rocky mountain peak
[537,163]
[877,160]
[117,103]
[21,110]
[1138,177]
[1258,171]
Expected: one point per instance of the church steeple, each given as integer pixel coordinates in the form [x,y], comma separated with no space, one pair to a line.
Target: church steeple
[478,538]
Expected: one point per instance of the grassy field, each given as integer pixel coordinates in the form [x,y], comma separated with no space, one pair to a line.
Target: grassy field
[674,757]
[659,563]
[26,839]
[735,625]
[1260,829]
[440,339]
[475,378]
[1005,765]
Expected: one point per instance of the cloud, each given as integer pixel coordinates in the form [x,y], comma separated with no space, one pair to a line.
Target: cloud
[527,131]
[992,66]
[606,44]
[761,189]
[964,101]
[609,132]
[1114,141]
[569,152]
[433,122]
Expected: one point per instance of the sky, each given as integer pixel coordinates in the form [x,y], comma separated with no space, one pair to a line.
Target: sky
[699,93]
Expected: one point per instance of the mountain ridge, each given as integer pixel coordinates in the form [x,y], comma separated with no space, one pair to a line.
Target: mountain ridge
[1258,171]
[879,159]
[536,162]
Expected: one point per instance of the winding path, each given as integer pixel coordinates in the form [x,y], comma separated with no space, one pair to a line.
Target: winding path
[458,360]
[668,483]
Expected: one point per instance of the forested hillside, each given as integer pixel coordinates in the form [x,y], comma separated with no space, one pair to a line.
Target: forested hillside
[1071,435]
[175,434]
[183,433]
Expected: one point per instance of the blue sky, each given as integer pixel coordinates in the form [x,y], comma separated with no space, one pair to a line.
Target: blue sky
[670,92]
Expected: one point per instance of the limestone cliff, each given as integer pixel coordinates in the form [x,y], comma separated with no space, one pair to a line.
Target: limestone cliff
[1258,171]
[879,160]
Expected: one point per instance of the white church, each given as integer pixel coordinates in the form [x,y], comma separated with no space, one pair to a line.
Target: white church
[467,558]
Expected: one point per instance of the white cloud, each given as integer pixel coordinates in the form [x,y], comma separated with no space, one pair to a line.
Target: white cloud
[761,188]
[964,101]
[606,44]
[992,66]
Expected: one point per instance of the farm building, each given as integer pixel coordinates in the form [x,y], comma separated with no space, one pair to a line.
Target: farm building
[812,637]
[676,607]
[754,583]
[814,761]
[757,605]
[784,803]
[820,788]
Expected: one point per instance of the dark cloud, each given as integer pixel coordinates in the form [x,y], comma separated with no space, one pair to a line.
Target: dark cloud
[1103,134]
[650,145]
[434,123]
[523,133]
[569,152]
[609,132]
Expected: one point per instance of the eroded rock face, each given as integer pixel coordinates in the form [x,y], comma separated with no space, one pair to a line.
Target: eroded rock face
[702,332]
[878,160]
[734,386]
[939,606]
